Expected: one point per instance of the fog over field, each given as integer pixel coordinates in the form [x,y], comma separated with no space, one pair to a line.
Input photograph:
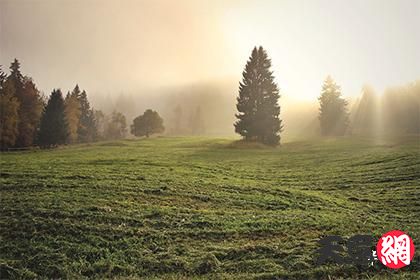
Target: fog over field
[133,55]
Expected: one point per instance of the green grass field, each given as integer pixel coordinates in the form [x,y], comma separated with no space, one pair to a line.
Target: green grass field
[203,208]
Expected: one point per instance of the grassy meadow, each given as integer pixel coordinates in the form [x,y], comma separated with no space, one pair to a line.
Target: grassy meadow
[171,208]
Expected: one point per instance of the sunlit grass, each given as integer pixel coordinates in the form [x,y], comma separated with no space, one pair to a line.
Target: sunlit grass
[202,207]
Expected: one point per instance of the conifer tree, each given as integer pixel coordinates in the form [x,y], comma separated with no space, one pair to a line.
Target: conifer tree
[333,113]
[9,106]
[16,77]
[258,117]
[53,128]
[86,130]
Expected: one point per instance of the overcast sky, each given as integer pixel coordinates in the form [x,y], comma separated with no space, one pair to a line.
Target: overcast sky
[129,46]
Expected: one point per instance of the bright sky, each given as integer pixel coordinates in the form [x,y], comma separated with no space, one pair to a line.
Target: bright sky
[115,46]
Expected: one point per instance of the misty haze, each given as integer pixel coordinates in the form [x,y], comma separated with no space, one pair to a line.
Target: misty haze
[191,139]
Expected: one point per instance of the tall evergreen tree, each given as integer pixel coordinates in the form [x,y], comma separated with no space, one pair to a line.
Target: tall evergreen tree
[258,117]
[87,129]
[9,106]
[53,129]
[16,81]
[333,113]
[16,77]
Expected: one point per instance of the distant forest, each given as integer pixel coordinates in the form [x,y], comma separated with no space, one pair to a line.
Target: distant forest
[29,118]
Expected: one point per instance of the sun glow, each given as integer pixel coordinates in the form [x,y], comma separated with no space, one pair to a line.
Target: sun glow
[357,44]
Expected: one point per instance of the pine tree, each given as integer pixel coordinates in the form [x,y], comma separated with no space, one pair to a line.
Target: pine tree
[53,129]
[148,123]
[333,113]
[258,117]
[16,77]
[9,106]
[87,129]
[16,81]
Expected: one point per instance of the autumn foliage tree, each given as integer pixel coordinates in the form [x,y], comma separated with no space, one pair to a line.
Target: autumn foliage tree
[30,105]
[257,103]
[72,111]
[147,124]
[30,112]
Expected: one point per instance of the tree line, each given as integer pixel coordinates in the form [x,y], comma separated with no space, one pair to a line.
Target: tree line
[28,118]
